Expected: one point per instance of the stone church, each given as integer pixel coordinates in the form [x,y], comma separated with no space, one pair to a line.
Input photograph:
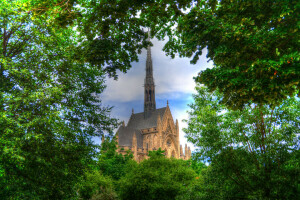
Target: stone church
[152,129]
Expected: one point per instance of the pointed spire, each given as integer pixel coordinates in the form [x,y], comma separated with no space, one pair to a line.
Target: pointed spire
[149,94]
[181,151]
[149,67]
[177,127]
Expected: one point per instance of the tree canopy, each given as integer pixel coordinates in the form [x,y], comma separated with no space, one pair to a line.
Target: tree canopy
[254,45]
[157,178]
[49,110]
[256,149]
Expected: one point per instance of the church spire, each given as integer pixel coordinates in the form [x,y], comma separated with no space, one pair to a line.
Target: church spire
[149,95]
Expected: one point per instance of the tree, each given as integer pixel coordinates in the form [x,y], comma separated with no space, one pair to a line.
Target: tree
[96,186]
[49,111]
[101,182]
[111,163]
[254,153]
[254,45]
[196,190]
[156,178]
[110,33]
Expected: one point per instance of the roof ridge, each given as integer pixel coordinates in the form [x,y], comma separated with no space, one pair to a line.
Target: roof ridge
[153,111]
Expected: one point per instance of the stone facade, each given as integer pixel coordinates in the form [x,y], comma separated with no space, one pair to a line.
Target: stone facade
[151,129]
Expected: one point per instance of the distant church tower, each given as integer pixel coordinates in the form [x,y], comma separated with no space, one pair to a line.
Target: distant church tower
[149,94]
[153,128]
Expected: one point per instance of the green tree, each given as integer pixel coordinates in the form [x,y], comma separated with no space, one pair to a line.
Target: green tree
[102,181]
[196,164]
[254,45]
[156,178]
[110,32]
[254,152]
[49,110]
[111,163]
[96,186]
[195,190]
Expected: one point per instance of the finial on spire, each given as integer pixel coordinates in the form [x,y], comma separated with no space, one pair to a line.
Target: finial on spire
[167,102]
[132,111]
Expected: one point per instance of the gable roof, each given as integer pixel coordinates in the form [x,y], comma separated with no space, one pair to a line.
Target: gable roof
[136,123]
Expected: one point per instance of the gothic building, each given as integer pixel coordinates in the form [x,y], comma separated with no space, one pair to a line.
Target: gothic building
[151,129]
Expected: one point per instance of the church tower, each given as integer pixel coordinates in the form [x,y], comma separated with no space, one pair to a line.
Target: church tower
[152,129]
[149,94]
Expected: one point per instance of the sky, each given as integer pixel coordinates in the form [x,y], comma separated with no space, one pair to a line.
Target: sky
[173,80]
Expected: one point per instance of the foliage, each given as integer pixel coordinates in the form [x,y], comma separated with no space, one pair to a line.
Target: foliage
[156,178]
[156,153]
[196,164]
[109,167]
[111,163]
[96,186]
[254,45]
[254,153]
[49,110]
[196,190]
[110,33]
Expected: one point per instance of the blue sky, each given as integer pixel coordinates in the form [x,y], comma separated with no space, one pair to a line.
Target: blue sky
[173,79]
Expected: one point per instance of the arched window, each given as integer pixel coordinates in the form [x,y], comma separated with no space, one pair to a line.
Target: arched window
[169,142]
[149,95]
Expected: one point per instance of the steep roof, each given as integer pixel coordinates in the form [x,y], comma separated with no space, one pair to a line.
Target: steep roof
[125,135]
[136,123]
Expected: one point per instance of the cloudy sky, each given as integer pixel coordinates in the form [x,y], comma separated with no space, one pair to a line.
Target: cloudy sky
[173,79]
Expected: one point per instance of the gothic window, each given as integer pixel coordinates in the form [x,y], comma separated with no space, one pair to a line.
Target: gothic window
[149,95]
[169,142]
